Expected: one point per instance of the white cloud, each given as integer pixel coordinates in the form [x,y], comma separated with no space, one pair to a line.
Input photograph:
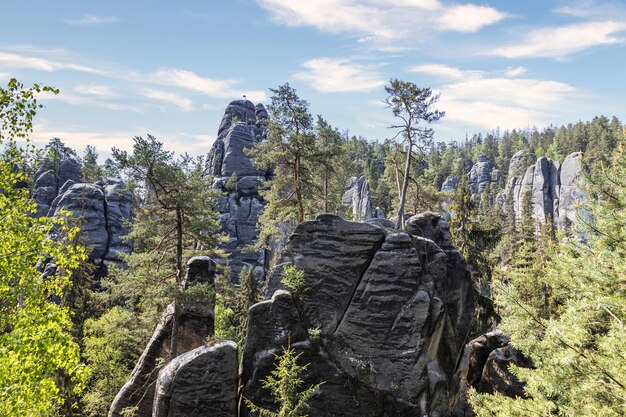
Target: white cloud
[339,75]
[559,42]
[383,23]
[470,17]
[488,100]
[15,60]
[209,86]
[92,20]
[183,103]
[94,90]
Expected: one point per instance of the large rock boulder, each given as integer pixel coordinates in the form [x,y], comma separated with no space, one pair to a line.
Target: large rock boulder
[195,325]
[390,314]
[357,195]
[485,367]
[201,382]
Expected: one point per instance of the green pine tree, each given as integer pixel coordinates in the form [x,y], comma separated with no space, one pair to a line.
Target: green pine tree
[285,383]
[576,340]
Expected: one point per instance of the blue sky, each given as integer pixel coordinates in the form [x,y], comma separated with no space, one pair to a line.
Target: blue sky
[128,68]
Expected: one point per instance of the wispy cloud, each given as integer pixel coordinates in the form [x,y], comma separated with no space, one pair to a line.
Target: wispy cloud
[212,87]
[183,103]
[383,22]
[562,41]
[81,99]
[18,60]
[487,100]
[79,136]
[92,20]
[340,75]
[94,90]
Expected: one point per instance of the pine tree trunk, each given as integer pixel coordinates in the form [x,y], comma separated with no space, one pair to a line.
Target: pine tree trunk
[179,281]
[299,191]
[325,193]
[405,184]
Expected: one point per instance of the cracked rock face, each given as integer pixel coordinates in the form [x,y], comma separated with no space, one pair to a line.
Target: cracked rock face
[393,310]
[242,126]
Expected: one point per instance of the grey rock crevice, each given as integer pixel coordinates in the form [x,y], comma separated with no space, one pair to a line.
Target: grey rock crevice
[359,280]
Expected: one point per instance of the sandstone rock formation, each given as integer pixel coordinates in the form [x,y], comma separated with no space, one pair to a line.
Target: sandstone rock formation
[357,195]
[450,184]
[482,174]
[393,311]
[242,126]
[103,211]
[555,190]
[195,324]
[485,367]
[201,382]
[49,180]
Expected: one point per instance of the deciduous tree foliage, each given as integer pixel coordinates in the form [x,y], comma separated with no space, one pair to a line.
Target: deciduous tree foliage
[576,340]
[36,347]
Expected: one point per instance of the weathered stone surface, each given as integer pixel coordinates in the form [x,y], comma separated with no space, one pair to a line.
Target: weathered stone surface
[545,185]
[480,174]
[357,195]
[118,202]
[49,180]
[519,162]
[87,203]
[497,377]
[393,311]
[238,111]
[102,211]
[450,184]
[571,196]
[195,324]
[485,367]
[555,189]
[236,140]
[201,382]
[243,125]
[200,269]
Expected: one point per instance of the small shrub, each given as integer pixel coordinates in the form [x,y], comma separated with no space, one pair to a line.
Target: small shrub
[285,385]
[293,278]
